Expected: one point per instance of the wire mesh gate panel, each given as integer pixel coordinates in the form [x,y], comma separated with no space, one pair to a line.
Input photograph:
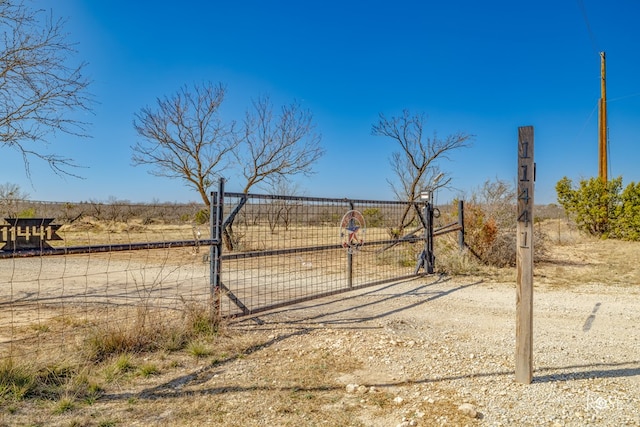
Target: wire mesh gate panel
[277,250]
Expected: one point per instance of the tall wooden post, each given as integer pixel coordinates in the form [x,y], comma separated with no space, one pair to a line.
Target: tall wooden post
[602,121]
[524,258]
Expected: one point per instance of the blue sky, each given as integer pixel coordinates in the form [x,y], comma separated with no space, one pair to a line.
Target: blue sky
[484,68]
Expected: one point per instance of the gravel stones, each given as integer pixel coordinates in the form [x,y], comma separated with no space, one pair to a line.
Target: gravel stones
[450,361]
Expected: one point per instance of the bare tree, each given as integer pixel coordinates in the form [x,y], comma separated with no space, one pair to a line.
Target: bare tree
[274,147]
[282,209]
[10,197]
[277,145]
[38,87]
[416,164]
[290,207]
[185,138]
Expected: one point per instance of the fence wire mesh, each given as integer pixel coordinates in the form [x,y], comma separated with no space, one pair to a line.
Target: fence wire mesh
[120,268]
[277,250]
[57,298]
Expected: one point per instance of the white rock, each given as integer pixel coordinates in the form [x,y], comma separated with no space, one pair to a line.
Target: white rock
[468,409]
[351,388]
[398,400]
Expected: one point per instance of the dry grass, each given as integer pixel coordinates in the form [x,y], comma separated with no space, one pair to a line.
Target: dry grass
[576,259]
[571,259]
[194,371]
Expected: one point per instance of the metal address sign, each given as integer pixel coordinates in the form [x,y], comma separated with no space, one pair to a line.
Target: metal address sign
[28,233]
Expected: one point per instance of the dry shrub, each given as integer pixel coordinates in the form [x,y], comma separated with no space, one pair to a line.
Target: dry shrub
[151,331]
[25,379]
[116,338]
[456,263]
[16,380]
[84,223]
[490,225]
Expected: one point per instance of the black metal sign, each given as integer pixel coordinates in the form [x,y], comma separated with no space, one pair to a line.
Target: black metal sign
[27,233]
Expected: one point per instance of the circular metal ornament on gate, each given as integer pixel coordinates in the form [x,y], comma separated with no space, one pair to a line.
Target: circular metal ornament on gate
[352,231]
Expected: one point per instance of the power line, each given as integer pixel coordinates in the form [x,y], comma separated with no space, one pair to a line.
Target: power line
[592,37]
[624,97]
[586,123]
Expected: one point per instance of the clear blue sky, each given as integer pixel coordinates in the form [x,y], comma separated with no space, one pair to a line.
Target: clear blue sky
[484,68]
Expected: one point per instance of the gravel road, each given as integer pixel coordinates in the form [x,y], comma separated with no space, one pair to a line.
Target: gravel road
[438,340]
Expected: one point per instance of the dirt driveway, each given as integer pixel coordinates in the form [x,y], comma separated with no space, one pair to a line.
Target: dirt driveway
[437,343]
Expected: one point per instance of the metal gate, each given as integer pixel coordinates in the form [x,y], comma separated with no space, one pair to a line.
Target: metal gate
[276,250]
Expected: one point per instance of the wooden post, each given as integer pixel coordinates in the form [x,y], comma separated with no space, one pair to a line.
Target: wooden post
[524,257]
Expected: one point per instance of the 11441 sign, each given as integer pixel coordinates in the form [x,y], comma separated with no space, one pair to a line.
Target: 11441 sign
[28,233]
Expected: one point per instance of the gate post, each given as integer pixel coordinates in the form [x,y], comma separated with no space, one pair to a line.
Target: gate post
[431,259]
[427,258]
[350,257]
[461,225]
[215,251]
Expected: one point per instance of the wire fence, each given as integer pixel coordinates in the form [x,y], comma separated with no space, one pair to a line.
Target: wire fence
[113,264]
[118,265]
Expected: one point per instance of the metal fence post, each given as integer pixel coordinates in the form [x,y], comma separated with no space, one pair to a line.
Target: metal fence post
[350,257]
[215,251]
[461,224]
[428,214]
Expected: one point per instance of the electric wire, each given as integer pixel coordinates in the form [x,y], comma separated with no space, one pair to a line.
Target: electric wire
[619,98]
[586,123]
[592,37]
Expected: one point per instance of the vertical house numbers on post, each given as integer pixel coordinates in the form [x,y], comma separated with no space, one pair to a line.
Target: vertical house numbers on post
[524,258]
[526,178]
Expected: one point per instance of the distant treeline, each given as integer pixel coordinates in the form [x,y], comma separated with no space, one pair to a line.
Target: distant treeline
[116,210]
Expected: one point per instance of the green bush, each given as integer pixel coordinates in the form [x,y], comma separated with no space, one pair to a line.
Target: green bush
[27,213]
[202,216]
[592,205]
[602,209]
[373,217]
[627,214]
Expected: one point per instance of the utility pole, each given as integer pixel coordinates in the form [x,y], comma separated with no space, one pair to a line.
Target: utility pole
[602,121]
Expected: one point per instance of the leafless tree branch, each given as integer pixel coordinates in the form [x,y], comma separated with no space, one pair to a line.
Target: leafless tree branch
[417,162]
[277,145]
[38,87]
[184,137]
